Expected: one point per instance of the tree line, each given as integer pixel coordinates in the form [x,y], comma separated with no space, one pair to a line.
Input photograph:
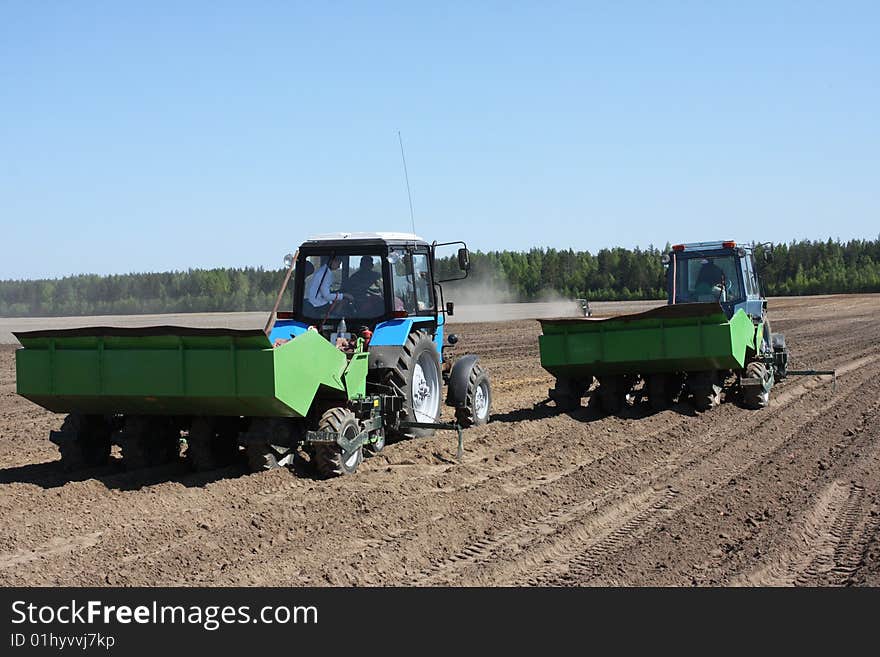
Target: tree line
[797,268]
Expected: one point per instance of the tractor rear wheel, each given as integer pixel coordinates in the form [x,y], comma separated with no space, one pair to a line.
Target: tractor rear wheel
[211,444]
[147,441]
[83,441]
[478,400]
[330,461]
[416,375]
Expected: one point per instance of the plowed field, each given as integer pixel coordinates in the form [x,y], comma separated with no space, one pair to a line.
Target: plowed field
[789,495]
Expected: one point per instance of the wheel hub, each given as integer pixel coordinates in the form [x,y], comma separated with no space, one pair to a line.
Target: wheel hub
[425,390]
[481,402]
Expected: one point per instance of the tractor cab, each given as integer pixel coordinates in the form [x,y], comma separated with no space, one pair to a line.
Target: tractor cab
[724,272]
[363,279]
[377,298]
[383,283]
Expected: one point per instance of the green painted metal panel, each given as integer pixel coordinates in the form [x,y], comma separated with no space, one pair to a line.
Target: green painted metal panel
[172,370]
[356,375]
[688,337]
[305,364]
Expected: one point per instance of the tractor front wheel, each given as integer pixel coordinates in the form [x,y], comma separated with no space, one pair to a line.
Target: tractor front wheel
[478,400]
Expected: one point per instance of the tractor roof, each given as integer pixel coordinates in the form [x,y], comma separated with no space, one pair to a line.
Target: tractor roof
[361,240]
[366,237]
[708,246]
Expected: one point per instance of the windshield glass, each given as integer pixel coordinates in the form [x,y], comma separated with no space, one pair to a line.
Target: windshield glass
[703,278]
[343,286]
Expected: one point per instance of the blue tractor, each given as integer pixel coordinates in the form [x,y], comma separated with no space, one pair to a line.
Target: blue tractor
[382,291]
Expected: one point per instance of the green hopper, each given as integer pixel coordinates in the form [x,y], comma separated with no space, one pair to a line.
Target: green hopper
[182,371]
[667,347]
[689,337]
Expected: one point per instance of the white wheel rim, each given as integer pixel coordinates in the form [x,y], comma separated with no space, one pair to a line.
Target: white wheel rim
[481,401]
[425,389]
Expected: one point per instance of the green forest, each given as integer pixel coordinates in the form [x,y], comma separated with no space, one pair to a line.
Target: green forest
[797,268]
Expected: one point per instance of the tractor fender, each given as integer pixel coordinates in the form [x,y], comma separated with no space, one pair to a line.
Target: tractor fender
[456,395]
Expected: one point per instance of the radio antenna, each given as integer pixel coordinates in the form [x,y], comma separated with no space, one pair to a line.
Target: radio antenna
[412,218]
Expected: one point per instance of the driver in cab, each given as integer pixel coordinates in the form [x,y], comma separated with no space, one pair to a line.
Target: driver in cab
[319,287]
[711,282]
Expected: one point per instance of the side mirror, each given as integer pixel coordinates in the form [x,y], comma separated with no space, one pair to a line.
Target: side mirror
[664,259]
[464,259]
[450,308]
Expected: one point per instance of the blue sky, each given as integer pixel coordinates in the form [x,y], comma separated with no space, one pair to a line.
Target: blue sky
[156,136]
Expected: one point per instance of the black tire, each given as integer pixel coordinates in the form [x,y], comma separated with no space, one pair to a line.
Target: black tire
[329,459]
[704,389]
[418,349]
[211,444]
[660,391]
[147,441]
[478,400]
[83,441]
[757,397]
[567,393]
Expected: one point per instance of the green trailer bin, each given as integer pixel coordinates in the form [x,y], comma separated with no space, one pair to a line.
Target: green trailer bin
[180,371]
[679,338]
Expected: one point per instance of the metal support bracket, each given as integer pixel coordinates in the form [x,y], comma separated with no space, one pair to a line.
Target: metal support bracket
[451,426]
[832,373]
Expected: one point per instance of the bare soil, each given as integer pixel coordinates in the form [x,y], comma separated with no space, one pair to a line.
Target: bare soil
[789,495]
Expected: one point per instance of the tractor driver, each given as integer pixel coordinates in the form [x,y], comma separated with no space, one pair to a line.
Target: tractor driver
[319,287]
[710,278]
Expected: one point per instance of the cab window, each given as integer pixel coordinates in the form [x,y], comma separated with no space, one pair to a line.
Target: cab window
[411,281]
[701,279]
[422,277]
